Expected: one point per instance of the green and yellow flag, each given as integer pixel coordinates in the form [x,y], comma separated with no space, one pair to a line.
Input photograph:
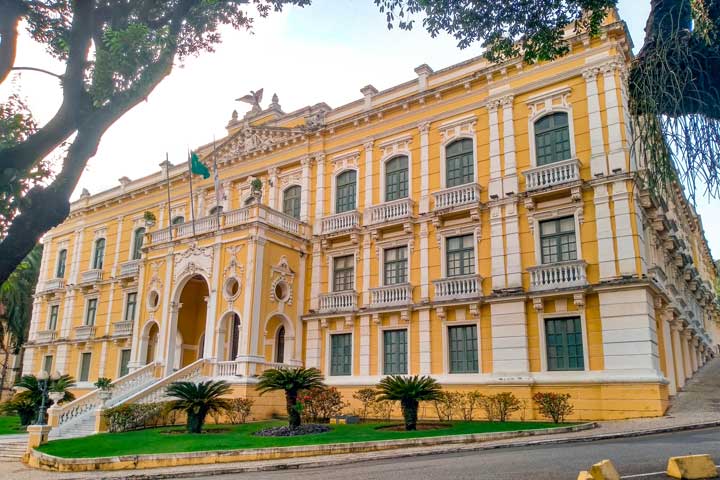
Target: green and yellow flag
[197,167]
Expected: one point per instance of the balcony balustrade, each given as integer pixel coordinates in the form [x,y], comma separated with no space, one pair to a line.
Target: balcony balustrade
[54,284]
[391,295]
[45,336]
[122,328]
[558,275]
[459,196]
[84,332]
[345,301]
[91,276]
[130,269]
[459,287]
[340,222]
[389,211]
[552,175]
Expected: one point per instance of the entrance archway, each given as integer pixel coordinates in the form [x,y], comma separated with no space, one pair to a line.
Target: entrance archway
[191,318]
[151,342]
[228,336]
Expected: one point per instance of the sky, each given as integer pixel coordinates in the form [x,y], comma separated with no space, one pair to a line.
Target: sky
[325,52]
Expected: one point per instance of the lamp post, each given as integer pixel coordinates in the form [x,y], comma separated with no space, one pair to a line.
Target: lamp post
[43,377]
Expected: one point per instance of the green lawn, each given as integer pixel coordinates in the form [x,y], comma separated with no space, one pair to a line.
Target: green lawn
[154,441]
[10,425]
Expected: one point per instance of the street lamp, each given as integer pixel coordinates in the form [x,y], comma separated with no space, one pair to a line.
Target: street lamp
[44,380]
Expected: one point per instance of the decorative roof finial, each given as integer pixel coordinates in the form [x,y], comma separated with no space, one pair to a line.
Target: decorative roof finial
[274,105]
[253,98]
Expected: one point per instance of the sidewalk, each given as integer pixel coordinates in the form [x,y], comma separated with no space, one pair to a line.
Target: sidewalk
[698,404]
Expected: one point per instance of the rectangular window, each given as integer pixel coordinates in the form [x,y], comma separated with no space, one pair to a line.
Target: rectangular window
[291,201]
[459,163]
[52,322]
[130,305]
[47,364]
[557,240]
[563,337]
[396,178]
[91,311]
[345,190]
[395,352]
[463,346]
[341,354]
[99,254]
[460,255]
[343,273]
[62,258]
[85,366]
[396,265]
[124,362]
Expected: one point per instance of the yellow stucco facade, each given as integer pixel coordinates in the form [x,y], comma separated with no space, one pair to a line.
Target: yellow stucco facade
[484,224]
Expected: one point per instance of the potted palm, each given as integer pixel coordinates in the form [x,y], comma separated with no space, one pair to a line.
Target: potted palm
[149,218]
[198,400]
[409,391]
[105,386]
[256,188]
[291,381]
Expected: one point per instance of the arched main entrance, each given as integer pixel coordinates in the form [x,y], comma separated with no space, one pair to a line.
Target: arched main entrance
[191,318]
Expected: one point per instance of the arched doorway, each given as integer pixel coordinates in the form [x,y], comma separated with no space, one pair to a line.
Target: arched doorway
[280,339]
[152,341]
[191,321]
[280,345]
[233,336]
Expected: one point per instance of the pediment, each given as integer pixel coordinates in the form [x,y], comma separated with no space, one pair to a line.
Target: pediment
[251,140]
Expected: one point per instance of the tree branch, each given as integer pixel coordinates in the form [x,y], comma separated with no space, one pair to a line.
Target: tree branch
[34,69]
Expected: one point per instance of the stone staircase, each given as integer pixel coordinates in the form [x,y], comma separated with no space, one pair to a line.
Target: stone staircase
[12,449]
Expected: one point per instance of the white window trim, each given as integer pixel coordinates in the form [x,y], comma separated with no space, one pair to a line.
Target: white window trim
[459,136]
[131,250]
[119,363]
[443,235]
[49,315]
[57,261]
[381,259]
[94,249]
[80,365]
[381,348]
[331,269]
[333,189]
[446,345]
[548,99]
[383,164]
[543,343]
[328,350]
[541,216]
[281,206]
[125,305]
[52,362]
[95,297]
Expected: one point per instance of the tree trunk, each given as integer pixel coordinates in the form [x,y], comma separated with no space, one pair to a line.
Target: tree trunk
[410,414]
[294,419]
[195,421]
[3,375]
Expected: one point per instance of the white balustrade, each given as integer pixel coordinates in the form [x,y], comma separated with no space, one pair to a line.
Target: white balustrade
[84,332]
[206,224]
[122,328]
[459,287]
[282,221]
[340,222]
[552,174]
[389,211]
[45,336]
[237,217]
[130,269]
[345,301]
[461,195]
[156,392]
[54,284]
[90,276]
[160,236]
[226,369]
[391,295]
[558,275]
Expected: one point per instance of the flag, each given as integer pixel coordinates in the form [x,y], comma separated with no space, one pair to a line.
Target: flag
[197,167]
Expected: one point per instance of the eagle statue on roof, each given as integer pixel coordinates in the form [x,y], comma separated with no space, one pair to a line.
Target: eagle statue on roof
[253,98]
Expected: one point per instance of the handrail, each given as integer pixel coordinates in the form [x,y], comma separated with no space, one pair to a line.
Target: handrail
[156,391]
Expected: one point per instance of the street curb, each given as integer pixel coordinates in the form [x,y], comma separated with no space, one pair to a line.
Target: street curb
[307,462]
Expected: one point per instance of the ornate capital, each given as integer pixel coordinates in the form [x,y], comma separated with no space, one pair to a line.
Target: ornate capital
[424,127]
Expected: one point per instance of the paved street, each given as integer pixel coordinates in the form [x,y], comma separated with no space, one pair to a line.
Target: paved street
[556,462]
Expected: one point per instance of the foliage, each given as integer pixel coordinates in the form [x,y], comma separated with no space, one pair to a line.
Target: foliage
[448,404]
[321,404]
[553,405]
[256,185]
[366,397]
[23,407]
[135,416]
[115,53]
[149,217]
[471,401]
[197,400]
[103,383]
[239,410]
[31,392]
[409,391]
[291,381]
[500,406]
[382,409]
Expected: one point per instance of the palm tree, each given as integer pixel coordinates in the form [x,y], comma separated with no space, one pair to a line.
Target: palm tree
[197,400]
[291,381]
[30,394]
[409,391]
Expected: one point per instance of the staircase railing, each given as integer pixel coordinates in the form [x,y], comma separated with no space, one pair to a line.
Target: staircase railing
[156,391]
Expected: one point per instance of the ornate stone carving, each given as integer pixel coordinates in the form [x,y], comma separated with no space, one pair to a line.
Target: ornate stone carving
[282,273]
[346,160]
[461,127]
[194,260]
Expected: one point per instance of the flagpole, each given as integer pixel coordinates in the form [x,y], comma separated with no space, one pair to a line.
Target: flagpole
[192,202]
[167,174]
[217,184]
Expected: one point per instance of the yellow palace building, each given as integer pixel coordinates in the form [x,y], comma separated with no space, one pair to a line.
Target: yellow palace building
[484,224]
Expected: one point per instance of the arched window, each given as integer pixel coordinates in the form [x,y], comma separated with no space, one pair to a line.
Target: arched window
[291,201]
[552,138]
[62,258]
[216,210]
[138,243]
[345,188]
[459,163]
[234,336]
[396,178]
[179,220]
[99,254]
[280,346]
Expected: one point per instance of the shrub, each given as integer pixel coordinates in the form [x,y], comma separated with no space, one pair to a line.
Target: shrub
[448,405]
[136,416]
[409,391]
[382,409]
[103,383]
[500,406]
[471,401]
[553,405]
[291,381]
[320,404]
[366,396]
[239,410]
[23,407]
[198,400]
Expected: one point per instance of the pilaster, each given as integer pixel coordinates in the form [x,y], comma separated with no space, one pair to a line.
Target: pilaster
[497,248]
[364,345]
[678,350]
[510,180]
[616,156]
[509,337]
[305,193]
[604,233]
[623,229]
[598,157]
[666,319]
[319,193]
[368,173]
[424,341]
[495,187]
[424,129]
[512,245]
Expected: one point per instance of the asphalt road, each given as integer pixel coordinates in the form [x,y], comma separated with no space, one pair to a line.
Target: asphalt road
[633,457]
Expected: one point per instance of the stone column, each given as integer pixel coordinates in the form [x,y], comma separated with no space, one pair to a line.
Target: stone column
[510,181]
[678,359]
[369,174]
[686,354]
[320,193]
[305,193]
[693,343]
[598,158]
[274,186]
[424,128]
[495,187]
[666,320]
[616,157]
[258,293]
